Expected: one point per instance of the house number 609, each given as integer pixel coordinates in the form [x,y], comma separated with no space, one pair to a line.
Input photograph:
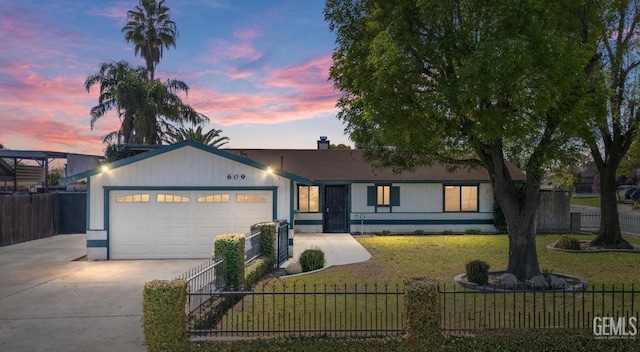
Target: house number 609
[236,177]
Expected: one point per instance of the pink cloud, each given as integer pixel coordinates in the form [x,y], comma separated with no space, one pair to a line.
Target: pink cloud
[292,93]
[49,113]
[116,12]
[222,50]
[247,34]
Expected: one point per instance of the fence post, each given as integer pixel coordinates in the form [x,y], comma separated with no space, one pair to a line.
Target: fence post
[422,311]
[163,317]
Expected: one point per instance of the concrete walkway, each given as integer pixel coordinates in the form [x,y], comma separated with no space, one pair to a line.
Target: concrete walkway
[49,302]
[338,248]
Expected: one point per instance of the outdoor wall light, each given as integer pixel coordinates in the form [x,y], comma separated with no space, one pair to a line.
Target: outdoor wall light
[104,168]
[269,170]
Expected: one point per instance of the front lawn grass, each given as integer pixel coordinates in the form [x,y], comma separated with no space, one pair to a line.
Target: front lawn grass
[396,258]
[441,257]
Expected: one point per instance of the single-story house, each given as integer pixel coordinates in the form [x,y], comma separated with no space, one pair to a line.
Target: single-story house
[171,202]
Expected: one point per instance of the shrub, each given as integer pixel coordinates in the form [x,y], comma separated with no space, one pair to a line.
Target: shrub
[447,232]
[386,232]
[418,232]
[477,272]
[163,319]
[231,248]
[256,270]
[267,240]
[312,259]
[473,232]
[566,242]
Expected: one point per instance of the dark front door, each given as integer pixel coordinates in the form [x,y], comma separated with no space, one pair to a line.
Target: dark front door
[336,214]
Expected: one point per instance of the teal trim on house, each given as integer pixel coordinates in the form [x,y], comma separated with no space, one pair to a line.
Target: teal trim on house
[406,222]
[98,244]
[291,203]
[394,182]
[172,147]
[87,212]
[423,222]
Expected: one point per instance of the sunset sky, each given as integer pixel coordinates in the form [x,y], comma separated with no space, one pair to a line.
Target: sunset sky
[257,69]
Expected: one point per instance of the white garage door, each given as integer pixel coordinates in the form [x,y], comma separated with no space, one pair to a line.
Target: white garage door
[180,224]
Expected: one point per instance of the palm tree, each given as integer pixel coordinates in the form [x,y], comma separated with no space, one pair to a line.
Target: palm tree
[114,80]
[211,138]
[147,108]
[150,30]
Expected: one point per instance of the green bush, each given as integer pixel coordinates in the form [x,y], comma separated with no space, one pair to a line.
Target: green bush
[447,232]
[473,232]
[256,270]
[163,319]
[418,232]
[312,259]
[477,272]
[230,247]
[422,311]
[267,240]
[566,242]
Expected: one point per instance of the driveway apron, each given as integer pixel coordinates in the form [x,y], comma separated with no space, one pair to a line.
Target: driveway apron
[50,301]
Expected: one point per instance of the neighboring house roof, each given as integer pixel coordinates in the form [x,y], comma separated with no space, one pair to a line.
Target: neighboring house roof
[309,165]
[350,165]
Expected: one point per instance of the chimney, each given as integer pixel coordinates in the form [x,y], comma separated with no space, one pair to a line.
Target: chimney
[323,143]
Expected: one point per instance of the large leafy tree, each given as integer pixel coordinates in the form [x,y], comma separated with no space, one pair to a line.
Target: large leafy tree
[150,29]
[147,108]
[468,83]
[212,138]
[612,129]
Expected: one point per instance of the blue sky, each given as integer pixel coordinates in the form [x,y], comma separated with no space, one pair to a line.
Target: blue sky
[257,69]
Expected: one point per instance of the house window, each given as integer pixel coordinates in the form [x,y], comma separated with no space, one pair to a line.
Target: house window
[171,198]
[215,198]
[460,198]
[308,199]
[250,198]
[383,195]
[133,198]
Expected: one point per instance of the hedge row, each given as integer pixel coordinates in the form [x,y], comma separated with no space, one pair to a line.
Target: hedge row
[506,340]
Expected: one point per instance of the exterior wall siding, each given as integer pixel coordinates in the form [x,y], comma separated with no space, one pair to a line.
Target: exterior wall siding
[421,208]
[184,167]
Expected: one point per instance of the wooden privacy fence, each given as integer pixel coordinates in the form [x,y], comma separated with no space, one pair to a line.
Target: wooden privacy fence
[26,217]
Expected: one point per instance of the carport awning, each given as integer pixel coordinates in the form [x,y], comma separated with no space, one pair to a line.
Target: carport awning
[6,172]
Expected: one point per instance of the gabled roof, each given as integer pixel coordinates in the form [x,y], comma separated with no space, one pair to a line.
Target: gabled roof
[309,166]
[182,144]
[350,165]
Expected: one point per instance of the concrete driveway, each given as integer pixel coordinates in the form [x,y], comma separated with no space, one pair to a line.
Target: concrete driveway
[49,302]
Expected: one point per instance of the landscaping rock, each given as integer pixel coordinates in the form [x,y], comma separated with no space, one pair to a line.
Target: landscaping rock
[507,281]
[538,282]
[293,268]
[555,282]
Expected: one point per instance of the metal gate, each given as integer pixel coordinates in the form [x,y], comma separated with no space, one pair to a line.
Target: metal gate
[283,242]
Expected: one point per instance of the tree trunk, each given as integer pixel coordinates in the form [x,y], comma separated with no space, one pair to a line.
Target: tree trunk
[521,224]
[520,210]
[609,235]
